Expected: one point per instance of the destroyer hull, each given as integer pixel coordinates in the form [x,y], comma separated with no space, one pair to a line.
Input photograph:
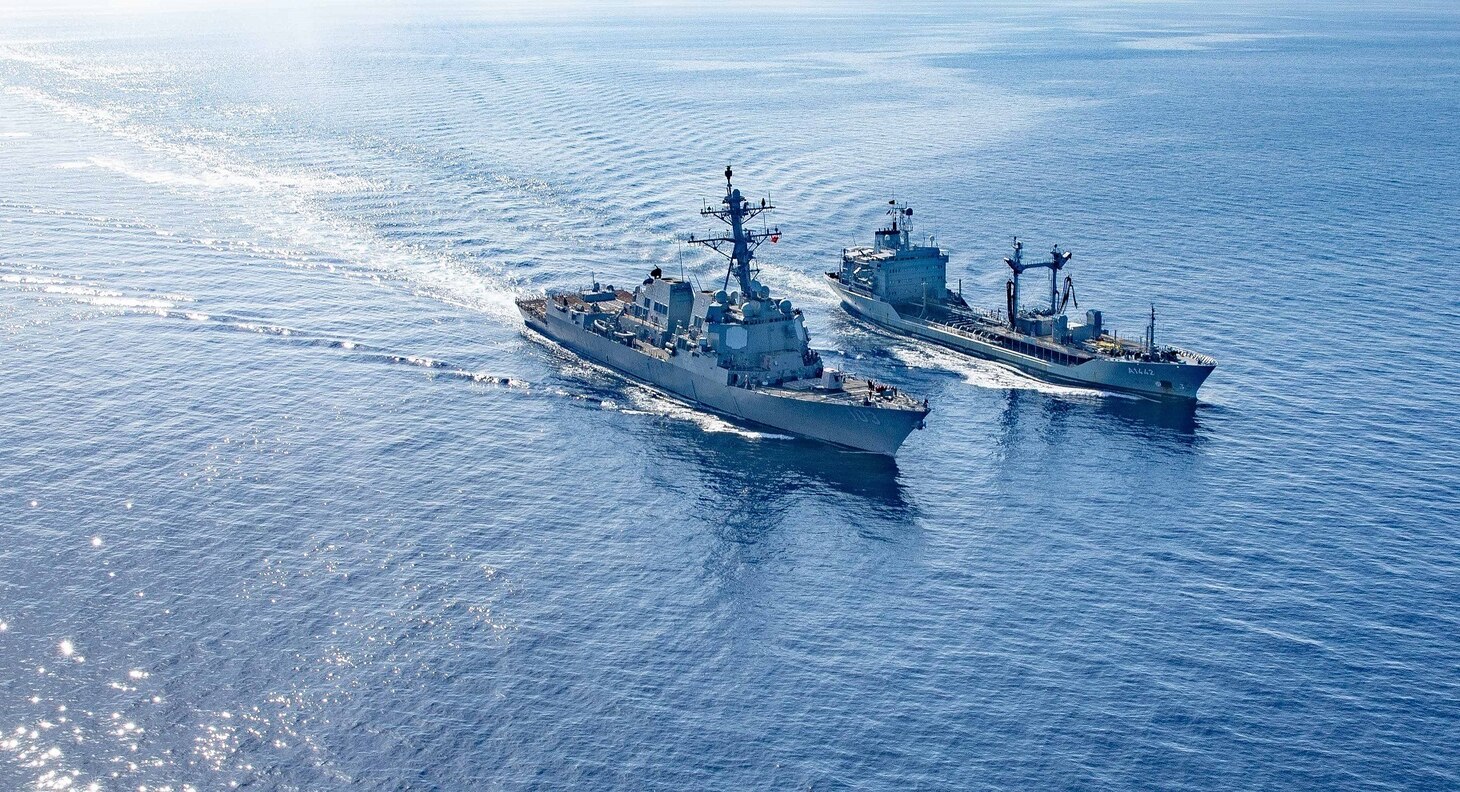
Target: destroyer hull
[1173,381]
[849,424]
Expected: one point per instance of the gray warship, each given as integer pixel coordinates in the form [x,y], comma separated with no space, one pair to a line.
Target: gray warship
[739,353]
[901,285]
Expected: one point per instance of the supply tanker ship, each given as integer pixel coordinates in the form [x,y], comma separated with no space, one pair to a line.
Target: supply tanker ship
[901,285]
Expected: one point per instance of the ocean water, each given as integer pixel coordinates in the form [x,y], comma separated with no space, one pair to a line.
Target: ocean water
[289,500]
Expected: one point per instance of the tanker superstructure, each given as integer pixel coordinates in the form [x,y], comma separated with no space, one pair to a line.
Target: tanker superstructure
[902,285]
[737,352]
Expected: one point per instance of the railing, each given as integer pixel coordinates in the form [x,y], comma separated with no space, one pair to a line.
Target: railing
[1195,357]
[1035,349]
[853,286]
[993,316]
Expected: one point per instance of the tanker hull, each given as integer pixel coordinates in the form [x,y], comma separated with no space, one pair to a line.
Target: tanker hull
[1175,381]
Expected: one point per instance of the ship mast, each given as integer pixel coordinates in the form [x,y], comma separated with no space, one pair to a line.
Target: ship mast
[741,243]
[1057,260]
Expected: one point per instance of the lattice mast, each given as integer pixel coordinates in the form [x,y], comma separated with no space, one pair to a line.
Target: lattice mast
[740,246]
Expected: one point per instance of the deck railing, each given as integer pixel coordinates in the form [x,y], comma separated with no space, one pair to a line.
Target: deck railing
[1031,348]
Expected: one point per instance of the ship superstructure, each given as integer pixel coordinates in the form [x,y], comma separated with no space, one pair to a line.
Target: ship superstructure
[901,284]
[737,350]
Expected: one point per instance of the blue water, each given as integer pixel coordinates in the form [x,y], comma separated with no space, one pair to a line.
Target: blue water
[289,501]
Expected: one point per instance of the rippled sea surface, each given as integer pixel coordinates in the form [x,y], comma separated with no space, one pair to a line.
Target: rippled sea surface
[289,501]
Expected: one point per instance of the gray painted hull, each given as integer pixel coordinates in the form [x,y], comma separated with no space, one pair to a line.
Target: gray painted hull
[1159,380]
[852,425]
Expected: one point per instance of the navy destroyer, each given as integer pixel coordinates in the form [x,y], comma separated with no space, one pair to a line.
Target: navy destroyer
[901,285]
[738,352]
